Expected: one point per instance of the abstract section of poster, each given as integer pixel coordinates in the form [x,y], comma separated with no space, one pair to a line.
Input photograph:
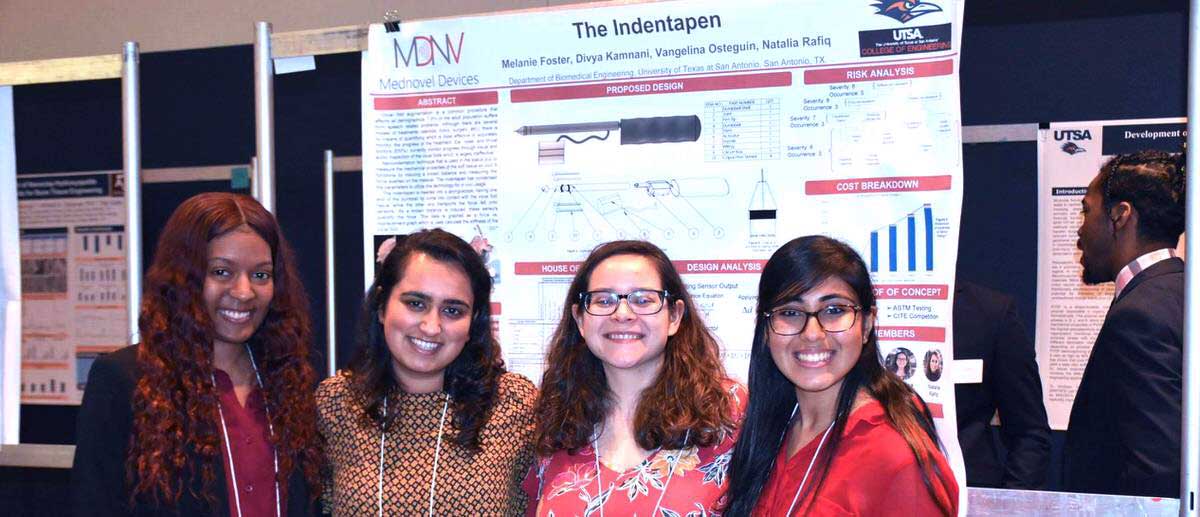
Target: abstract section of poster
[718,131]
[73,280]
[1070,313]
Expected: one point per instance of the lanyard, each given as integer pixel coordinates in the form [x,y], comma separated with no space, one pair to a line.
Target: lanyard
[811,462]
[237,499]
[436,455]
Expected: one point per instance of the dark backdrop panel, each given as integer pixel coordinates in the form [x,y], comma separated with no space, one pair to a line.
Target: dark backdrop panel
[1081,69]
[315,111]
[348,193]
[34,492]
[997,245]
[65,127]
[197,107]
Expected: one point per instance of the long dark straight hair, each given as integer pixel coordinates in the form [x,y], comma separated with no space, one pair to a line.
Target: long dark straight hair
[794,269]
[472,378]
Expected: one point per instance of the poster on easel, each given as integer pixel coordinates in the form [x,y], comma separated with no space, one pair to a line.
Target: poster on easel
[73,280]
[1070,313]
[717,131]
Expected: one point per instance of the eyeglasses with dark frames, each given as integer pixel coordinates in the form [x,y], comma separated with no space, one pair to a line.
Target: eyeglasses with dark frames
[789,321]
[643,302]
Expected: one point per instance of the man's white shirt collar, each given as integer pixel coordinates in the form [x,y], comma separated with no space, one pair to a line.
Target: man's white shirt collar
[1140,264]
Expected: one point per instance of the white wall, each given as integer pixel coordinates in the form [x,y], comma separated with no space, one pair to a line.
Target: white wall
[44,29]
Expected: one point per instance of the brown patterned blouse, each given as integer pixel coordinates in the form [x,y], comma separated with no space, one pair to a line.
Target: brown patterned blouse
[487,482]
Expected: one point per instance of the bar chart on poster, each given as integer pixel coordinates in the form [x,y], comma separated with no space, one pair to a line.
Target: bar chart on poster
[898,249]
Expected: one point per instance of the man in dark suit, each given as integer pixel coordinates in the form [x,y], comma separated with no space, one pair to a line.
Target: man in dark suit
[1124,433]
[986,327]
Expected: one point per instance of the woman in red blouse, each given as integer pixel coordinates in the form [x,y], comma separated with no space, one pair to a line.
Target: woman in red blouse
[829,431]
[636,415]
[213,413]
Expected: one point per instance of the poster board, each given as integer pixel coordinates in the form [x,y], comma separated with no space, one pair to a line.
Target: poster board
[716,131]
[1069,313]
[73,279]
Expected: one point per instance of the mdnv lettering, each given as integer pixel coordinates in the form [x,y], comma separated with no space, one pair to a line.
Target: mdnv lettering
[424,50]
[1072,134]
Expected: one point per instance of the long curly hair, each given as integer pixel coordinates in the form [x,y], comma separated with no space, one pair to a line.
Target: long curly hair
[792,270]
[175,444]
[471,379]
[686,399]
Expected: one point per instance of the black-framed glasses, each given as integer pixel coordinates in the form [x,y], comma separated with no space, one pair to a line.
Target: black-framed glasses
[789,321]
[644,302]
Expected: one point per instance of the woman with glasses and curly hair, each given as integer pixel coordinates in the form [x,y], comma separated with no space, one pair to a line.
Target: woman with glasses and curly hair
[636,414]
[213,412]
[828,431]
[426,421]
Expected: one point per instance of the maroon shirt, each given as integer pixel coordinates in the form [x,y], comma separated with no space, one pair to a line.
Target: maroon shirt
[253,456]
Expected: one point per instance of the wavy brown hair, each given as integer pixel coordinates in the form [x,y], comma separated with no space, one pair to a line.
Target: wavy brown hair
[175,444]
[472,379]
[688,398]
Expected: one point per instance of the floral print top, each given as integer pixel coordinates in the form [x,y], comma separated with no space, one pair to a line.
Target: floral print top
[681,483]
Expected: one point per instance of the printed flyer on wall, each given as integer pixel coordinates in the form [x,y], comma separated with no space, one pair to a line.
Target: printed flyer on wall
[73,280]
[1070,313]
[717,131]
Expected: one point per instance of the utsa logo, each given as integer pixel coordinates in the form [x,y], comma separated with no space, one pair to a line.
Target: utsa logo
[1070,135]
[905,10]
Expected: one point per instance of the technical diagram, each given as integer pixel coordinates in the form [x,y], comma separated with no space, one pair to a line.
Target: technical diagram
[644,209]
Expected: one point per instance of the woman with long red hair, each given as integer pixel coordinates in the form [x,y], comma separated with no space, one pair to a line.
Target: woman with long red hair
[213,412]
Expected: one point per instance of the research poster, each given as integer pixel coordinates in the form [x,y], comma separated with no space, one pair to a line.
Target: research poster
[10,277]
[718,131]
[73,280]
[1069,313]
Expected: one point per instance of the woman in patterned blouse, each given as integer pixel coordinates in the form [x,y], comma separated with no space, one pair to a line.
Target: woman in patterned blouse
[426,420]
[636,414]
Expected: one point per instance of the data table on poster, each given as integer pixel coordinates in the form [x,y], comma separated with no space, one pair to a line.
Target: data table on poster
[742,129]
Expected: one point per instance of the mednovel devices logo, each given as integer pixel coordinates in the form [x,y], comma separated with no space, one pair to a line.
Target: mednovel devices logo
[1071,136]
[905,10]
[426,50]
